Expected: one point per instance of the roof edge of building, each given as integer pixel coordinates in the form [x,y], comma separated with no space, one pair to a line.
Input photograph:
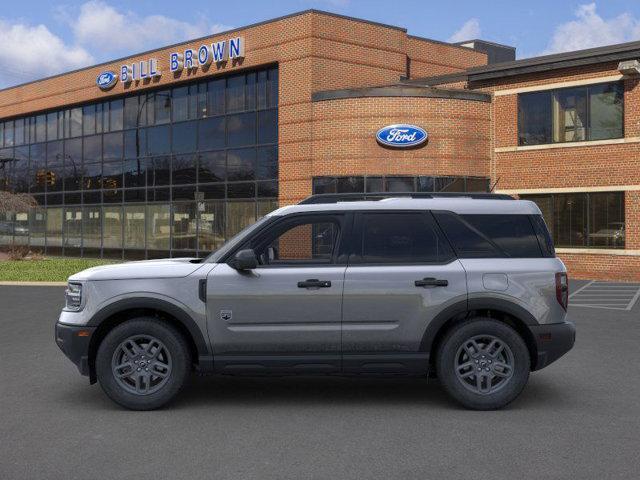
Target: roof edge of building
[400,90]
[243,27]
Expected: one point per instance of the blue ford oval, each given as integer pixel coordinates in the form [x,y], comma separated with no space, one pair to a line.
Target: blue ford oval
[401,136]
[106,80]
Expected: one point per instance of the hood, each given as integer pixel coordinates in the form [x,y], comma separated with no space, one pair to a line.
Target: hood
[165,268]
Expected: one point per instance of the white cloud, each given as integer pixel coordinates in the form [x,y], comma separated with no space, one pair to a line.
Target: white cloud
[28,52]
[469,31]
[104,29]
[591,30]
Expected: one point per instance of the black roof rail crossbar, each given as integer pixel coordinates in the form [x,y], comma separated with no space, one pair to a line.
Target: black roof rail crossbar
[353,197]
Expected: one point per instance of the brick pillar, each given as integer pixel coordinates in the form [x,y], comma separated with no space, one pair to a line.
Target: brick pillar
[632,220]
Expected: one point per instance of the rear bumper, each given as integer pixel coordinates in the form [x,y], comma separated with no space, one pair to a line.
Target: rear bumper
[552,342]
[74,343]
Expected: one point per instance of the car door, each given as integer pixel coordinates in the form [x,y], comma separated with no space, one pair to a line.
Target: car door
[286,313]
[401,275]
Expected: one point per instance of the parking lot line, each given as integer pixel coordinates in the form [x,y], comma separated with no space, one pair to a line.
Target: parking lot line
[611,296]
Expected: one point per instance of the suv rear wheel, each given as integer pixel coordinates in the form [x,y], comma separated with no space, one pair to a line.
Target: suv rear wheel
[483,364]
[142,363]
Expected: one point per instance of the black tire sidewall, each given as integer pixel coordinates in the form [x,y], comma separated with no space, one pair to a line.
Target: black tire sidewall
[446,358]
[172,340]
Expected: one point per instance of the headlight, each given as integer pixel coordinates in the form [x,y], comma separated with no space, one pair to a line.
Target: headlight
[73,297]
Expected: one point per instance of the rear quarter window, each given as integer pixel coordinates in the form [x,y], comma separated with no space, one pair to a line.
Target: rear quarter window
[491,236]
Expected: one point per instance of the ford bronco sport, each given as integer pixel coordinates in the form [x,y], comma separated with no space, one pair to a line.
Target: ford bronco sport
[463,287]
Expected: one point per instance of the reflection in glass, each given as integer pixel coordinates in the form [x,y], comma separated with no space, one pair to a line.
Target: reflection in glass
[211,226]
[92,227]
[134,226]
[184,226]
[158,227]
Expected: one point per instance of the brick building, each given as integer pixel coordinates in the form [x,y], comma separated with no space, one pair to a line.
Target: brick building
[171,151]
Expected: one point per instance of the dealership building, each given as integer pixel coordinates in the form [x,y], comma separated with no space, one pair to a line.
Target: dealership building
[170,152]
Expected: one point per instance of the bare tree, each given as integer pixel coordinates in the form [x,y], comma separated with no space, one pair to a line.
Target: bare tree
[16,202]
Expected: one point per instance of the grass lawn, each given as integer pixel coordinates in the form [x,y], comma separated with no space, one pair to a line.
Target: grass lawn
[50,269]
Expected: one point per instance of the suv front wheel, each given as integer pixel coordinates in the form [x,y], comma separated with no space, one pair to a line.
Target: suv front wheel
[483,364]
[142,363]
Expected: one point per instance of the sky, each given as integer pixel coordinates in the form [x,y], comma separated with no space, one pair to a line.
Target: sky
[39,38]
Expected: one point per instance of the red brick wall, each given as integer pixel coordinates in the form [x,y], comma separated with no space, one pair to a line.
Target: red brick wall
[429,58]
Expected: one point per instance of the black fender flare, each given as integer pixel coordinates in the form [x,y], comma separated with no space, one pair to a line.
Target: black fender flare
[463,307]
[155,304]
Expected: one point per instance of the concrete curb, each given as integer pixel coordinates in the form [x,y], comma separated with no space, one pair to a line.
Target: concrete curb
[34,284]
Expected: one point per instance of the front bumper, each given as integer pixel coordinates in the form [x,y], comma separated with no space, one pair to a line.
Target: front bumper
[552,342]
[74,342]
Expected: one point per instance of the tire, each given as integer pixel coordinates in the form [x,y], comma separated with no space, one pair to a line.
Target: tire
[459,359]
[151,358]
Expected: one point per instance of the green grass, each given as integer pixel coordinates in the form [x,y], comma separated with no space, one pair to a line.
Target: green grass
[46,270]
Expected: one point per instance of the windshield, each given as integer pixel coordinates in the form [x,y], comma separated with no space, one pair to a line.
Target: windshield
[234,241]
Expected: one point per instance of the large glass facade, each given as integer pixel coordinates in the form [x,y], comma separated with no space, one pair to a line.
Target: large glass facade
[171,172]
[422,183]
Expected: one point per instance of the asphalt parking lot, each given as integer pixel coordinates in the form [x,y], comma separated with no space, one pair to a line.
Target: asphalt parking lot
[577,419]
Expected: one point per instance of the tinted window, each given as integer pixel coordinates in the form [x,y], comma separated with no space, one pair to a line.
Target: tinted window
[467,241]
[401,238]
[312,241]
[514,234]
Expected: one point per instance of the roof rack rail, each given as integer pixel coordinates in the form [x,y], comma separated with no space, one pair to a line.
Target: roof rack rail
[354,197]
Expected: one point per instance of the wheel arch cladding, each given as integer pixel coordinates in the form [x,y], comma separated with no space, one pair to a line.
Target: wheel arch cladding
[119,312]
[507,312]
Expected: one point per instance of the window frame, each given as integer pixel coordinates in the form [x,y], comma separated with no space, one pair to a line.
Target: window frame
[355,256]
[552,93]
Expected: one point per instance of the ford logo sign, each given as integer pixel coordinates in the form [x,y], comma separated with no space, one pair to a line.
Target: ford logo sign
[401,136]
[106,80]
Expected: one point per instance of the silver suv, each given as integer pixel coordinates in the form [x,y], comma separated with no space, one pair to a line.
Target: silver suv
[464,288]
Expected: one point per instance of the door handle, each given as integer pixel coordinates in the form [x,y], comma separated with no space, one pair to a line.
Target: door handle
[431,282]
[314,283]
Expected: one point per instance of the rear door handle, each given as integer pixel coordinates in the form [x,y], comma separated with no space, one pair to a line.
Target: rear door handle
[431,282]
[314,283]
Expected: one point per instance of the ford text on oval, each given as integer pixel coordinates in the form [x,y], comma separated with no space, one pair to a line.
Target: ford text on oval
[401,136]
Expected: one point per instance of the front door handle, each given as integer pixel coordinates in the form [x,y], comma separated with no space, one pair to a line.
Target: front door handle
[314,283]
[431,282]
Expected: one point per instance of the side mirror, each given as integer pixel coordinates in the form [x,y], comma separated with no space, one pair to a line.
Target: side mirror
[245,260]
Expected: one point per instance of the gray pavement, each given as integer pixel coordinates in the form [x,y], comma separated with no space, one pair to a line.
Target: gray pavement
[577,419]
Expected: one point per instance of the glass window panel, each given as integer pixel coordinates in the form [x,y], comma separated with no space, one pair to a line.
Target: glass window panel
[184,169]
[92,227]
[52,126]
[158,227]
[21,228]
[72,198]
[606,220]
[534,118]
[41,128]
[135,172]
[211,226]
[184,137]
[267,168]
[350,184]
[161,171]
[159,140]
[266,206]
[135,195]
[570,212]
[1,135]
[193,102]
[235,93]
[21,169]
[241,164]
[201,103]
[92,174]
[325,185]
[425,184]
[211,133]
[241,129]
[570,115]
[272,88]
[92,148]
[261,89]
[6,228]
[162,107]
[73,227]
[112,196]
[374,185]
[514,234]
[268,189]
[212,191]
[215,97]
[268,126]
[112,175]
[116,115]
[8,134]
[180,103]
[92,197]
[102,117]
[183,193]
[75,122]
[606,111]
[112,226]
[131,112]
[112,145]
[241,190]
[240,214]
[54,227]
[159,194]
[250,91]
[19,131]
[37,226]
[184,226]
[399,184]
[89,120]
[134,226]
[54,199]
[135,143]
[449,184]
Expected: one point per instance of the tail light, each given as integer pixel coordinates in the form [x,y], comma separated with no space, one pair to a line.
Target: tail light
[562,289]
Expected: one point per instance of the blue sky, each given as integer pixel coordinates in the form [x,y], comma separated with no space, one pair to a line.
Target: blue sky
[43,37]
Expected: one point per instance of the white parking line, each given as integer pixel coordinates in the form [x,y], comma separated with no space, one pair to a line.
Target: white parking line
[611,296]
